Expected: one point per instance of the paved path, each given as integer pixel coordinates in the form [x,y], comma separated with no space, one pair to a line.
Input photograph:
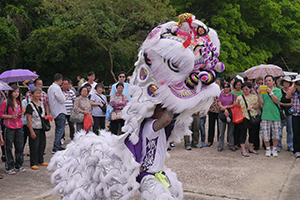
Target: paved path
[205,173]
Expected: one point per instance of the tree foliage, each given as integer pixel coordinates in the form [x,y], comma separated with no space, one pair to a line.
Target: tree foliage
[112,25]
[251,32]
[76,36]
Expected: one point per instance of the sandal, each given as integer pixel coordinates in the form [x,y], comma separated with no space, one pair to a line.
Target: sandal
[1,177]
[253,151]
[245,154]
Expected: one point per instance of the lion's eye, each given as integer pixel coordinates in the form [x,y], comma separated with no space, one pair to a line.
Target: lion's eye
[201,31]
[171,65]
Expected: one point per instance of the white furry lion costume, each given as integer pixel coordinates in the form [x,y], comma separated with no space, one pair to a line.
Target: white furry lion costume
[175,68]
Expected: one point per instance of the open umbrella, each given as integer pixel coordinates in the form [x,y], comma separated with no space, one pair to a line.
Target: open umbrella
[263,70]
[4,86]
[17,75]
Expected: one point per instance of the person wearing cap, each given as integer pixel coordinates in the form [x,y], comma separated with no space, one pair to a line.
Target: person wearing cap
[286,104]
[294,93]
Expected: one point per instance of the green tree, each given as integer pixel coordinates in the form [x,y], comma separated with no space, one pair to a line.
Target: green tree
[22,17]
[8,42]
[113,25]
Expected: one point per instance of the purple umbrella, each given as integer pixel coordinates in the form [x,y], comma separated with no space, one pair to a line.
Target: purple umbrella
[17,75]
[4,86]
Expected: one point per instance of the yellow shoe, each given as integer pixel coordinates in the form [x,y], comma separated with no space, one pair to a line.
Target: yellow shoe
[34,167]
[43,164]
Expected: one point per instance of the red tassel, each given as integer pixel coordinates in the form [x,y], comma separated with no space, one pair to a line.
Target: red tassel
[187,42]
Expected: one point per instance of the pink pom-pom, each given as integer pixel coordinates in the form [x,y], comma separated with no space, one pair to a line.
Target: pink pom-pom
[204,76]
[204,55]
[214,48]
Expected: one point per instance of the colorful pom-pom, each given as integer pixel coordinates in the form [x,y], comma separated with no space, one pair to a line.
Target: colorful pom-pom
[207,61]
[220,67]
[204,76]
[204,55]
[216,54]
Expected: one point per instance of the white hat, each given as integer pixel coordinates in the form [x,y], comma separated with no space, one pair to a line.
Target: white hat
[297,78]
[287,78]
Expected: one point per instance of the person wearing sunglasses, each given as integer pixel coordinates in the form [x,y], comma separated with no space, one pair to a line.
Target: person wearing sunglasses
[294,93]
[121,78]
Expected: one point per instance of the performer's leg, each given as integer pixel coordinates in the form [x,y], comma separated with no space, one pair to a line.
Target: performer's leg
[151,188]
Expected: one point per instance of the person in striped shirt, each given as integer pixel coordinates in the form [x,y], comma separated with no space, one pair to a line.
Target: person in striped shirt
[69,104]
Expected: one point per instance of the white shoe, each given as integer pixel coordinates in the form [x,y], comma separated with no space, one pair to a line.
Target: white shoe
[268,153]
[275,154]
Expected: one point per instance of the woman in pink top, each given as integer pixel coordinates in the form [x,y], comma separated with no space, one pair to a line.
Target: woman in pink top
[11,111]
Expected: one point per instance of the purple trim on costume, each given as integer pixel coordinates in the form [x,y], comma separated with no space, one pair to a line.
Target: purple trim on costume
[136,149]
[142,175]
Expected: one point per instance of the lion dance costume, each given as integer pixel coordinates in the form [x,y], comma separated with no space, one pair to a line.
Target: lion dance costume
[175,68]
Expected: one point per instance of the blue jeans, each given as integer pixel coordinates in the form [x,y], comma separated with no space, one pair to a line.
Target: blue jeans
[202,128]
[289,133]
[60,121]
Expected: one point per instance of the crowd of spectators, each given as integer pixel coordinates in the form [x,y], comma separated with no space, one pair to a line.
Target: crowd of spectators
[22,116]
[265,105]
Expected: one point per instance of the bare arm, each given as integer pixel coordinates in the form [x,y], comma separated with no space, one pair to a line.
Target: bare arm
[289,94]
[164,121]
[25,83]
[1,139]
[29,125]
[47,108]
[259,99]
[274,98]
[93,103]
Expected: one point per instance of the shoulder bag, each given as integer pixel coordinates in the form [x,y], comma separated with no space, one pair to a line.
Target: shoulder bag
[103,108]
[281,111]
[76,117]
[45,122]
[254,120]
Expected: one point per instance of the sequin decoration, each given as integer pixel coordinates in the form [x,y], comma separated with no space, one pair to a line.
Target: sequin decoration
[143,74]
[151,90]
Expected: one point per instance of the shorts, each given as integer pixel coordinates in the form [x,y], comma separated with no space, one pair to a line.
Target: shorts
[267,127]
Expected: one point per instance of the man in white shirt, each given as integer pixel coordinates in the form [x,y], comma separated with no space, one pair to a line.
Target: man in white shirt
[58,110]
[91,77]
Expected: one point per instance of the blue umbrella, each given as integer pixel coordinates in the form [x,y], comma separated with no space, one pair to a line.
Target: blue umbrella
[4,86]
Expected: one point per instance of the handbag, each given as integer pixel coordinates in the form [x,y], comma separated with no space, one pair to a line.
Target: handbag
[222,115]
[45,122]
[254,120]
[237,114]
[76,117]
[281,111]
[103,108]
[117,115]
